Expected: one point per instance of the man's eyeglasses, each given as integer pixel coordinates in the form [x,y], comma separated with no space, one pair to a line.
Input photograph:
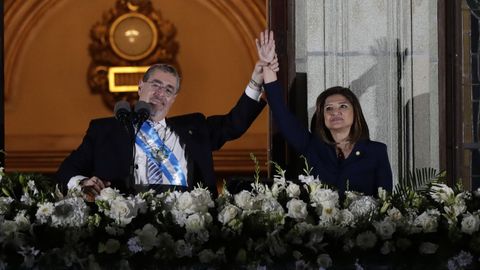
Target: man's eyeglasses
[159,85]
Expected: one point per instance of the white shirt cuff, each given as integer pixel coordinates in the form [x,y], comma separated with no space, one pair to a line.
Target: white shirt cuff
[74,182]
[252,93]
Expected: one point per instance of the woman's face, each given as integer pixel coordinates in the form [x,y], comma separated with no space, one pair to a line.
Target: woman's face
[338,113]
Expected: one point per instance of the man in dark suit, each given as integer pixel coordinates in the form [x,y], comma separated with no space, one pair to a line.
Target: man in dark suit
[169,152]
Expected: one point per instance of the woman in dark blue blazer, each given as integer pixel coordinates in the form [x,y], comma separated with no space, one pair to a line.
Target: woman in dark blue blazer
[339,149]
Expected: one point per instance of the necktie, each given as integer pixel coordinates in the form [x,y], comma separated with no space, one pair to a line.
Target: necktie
[154,174]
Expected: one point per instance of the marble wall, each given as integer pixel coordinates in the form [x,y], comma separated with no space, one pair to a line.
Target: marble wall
[386,52]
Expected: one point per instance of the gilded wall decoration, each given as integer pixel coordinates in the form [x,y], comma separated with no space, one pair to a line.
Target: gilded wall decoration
[129,38]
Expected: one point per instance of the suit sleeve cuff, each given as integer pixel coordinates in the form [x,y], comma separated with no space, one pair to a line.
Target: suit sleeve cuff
[74,182]
[252,93]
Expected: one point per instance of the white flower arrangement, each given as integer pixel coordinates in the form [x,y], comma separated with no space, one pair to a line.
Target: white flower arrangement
[284,223]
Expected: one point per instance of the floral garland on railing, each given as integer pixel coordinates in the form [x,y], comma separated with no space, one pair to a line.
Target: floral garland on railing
[300,225]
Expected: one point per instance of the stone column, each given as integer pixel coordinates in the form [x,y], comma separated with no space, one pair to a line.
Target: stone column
[386,52]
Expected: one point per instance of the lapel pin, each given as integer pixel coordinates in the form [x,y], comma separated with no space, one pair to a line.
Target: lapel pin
[357,153]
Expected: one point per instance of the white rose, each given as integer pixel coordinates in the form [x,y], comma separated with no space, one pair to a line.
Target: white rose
[244,200]
[366,240]
[196,222]
[228,213]
[441,193]
[293,190]
[427,248]
[385,228]
[108,194]
[122,211]
[185,203]
[297,209]
[470,224]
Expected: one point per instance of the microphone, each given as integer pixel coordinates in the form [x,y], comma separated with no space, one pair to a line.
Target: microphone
[122,112]
[142,112]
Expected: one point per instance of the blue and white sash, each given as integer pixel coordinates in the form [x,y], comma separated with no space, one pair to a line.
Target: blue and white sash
[155,149]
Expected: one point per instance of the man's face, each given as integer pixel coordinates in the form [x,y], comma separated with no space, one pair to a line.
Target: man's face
[160,91]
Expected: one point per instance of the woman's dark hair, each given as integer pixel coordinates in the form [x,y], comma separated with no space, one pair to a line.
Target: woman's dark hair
[359,129]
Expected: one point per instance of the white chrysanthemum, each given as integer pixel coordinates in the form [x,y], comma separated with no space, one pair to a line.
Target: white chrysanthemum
[147,237]
[228,213]
[345,218]
[385,228]
[183,249]
[44,212]
[364,206]
[297,209]
[323,196]
[470,223]
[329,211]
[109,247]
[70,212]
[293,190]
[244,200]
[271,206]
[5,205]
[427,248]
[366,240]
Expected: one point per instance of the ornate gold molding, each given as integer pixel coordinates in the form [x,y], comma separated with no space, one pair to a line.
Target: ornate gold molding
[107,51]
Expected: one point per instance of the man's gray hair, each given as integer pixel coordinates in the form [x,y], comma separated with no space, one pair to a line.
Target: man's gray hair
[165,68]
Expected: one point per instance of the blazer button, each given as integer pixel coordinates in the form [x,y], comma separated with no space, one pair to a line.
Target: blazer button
[190,132]
[357,153]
